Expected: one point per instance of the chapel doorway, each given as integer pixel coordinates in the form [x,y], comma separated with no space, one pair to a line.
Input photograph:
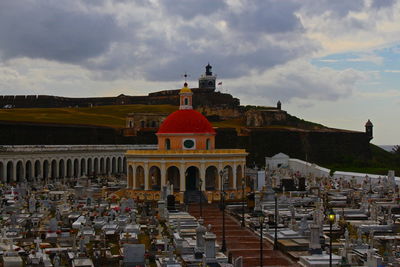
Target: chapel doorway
[192,176]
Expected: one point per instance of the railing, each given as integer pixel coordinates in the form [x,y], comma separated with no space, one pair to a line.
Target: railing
[55,148]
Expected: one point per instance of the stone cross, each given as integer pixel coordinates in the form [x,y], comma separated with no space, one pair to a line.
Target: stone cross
[3,233]
[347,239]
[82,247]
[13,220]
[53,225]
[37,242]
[371,239]
[165,244]
[56,260]
[303,225]
[200,231]
[179,225]
[32,205]
[359,236]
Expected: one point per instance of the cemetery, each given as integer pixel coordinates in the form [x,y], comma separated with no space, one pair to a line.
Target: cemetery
[286,218]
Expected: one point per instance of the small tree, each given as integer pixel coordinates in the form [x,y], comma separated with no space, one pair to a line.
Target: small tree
[396,150]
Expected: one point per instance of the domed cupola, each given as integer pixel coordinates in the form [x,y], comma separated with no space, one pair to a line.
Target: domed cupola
[186,128]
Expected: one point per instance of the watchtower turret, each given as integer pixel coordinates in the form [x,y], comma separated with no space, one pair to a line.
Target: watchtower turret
[368,129]
[207,80]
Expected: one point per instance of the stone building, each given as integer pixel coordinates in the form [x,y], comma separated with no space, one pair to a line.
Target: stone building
[186,154]
[143,121]
[265,117]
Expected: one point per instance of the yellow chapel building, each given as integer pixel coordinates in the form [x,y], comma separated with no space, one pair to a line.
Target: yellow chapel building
[185,159]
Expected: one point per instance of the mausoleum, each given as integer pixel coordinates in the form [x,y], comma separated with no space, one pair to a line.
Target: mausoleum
[185,156]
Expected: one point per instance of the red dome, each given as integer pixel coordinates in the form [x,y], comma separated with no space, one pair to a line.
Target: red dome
[186,121]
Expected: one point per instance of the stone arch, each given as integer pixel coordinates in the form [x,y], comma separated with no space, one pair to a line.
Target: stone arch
[83,167]
[119,165]
[212,178]
[113,165]
[69,168]
[154,178]
[139,177]
[96,166]
[2,178]
[239,176]
[38,169]
[10,172]
[108,165]
[76,168]
[89,167]
[28,171]
[192,175]
[53,169]
[61,169]
[19,172]
[102,169]
[131,182]
[173,177]
[46,166]
[229,173]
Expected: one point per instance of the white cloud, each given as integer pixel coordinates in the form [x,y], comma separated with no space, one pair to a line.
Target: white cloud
[298,81]
[392,71]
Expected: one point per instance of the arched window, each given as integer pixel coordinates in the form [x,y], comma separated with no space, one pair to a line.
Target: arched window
[167,144]
[186,101]
[208,144]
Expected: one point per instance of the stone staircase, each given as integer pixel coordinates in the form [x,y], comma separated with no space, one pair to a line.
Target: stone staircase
[240,241]
[194,196]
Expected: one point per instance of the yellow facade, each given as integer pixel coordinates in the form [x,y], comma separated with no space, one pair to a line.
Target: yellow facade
[152,169]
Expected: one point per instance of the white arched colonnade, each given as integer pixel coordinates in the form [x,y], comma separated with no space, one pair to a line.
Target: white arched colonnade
[46,162]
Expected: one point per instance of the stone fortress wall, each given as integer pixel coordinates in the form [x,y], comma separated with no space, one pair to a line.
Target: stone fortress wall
[203,97]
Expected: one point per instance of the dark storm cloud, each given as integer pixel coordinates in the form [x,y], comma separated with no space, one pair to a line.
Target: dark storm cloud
[339,8]
[191,8]
[52,30]
[269,16]
[230,66]
[156,43]
[382,3]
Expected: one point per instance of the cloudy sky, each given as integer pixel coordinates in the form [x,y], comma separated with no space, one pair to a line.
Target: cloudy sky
[335,62]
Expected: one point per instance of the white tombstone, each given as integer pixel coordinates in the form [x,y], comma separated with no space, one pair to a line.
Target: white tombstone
[161,209]
[315,245]
[238,262]
[134,254]
[209,239]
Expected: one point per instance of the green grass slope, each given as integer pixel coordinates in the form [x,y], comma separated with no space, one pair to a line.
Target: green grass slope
[111,116]
[380,163]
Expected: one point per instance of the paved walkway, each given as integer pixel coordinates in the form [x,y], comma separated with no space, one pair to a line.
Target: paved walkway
[240,241]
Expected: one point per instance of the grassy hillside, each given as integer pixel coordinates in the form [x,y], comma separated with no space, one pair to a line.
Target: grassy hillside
[380,163]
[111,116]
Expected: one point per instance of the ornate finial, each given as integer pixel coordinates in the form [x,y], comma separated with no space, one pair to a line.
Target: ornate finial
[185,76]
